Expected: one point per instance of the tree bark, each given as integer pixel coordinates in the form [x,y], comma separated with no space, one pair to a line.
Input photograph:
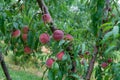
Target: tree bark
[44,9]
[3,65]
[91,64]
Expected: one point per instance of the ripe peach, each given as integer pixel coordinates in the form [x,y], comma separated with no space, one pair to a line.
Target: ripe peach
[44,38]
[109,60]
[27,50]
[68,37]
[58,35]
[49,62]
[46,18]
[25,29]
[16,33]
[24,37]
[104,65]
[60,55]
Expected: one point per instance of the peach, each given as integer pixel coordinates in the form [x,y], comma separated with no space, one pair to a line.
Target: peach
[16,33]
[58,35]
[49,62]
[24,37]
[27,50]
[46,18]
[25,29]
[104,65]
[44,38]
[68,37]
[60,55]
[109,60]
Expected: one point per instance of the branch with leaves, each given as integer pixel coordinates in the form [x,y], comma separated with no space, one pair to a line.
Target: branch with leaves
[53,28]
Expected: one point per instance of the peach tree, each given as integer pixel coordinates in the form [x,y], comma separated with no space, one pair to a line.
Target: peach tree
[82,36]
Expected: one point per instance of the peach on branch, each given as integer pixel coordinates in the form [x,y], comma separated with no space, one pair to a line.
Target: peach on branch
[58,35]
[68,37]
[104,65]
[27,50]
[16,33]
[44,38]
[60,55]
[109,60]
[24,37]
[25,29]
[46,18]
[49,62]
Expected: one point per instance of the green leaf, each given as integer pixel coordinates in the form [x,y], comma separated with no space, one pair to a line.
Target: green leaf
[30,39]
[60,75]
[64,57]
[107,28]
[76,76]
[119,26]
[55,67]
[106,77]
[98,71]
[2,27]
[83,48]
[61,42]
[107,35]
[115,31]
[36,43]
[109,49]
[50,75]
[105,25]
[15,25]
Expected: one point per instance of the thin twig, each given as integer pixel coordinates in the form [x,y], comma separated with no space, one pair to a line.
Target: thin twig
[44,73]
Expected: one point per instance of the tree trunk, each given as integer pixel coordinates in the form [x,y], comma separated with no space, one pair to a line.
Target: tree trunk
[3,65]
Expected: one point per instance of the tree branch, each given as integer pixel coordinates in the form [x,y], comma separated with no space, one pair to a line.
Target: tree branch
[91,64]
[45,11]
[53,28]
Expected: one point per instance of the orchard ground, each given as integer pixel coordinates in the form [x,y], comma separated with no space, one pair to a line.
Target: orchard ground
[21,72]
[26,71]
[19,75]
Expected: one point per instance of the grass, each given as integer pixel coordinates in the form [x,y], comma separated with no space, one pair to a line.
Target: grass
[18,75]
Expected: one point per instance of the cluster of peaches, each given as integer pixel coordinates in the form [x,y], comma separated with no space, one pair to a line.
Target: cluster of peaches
[106,63]
[44,38]
[103,64]
[17,33]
